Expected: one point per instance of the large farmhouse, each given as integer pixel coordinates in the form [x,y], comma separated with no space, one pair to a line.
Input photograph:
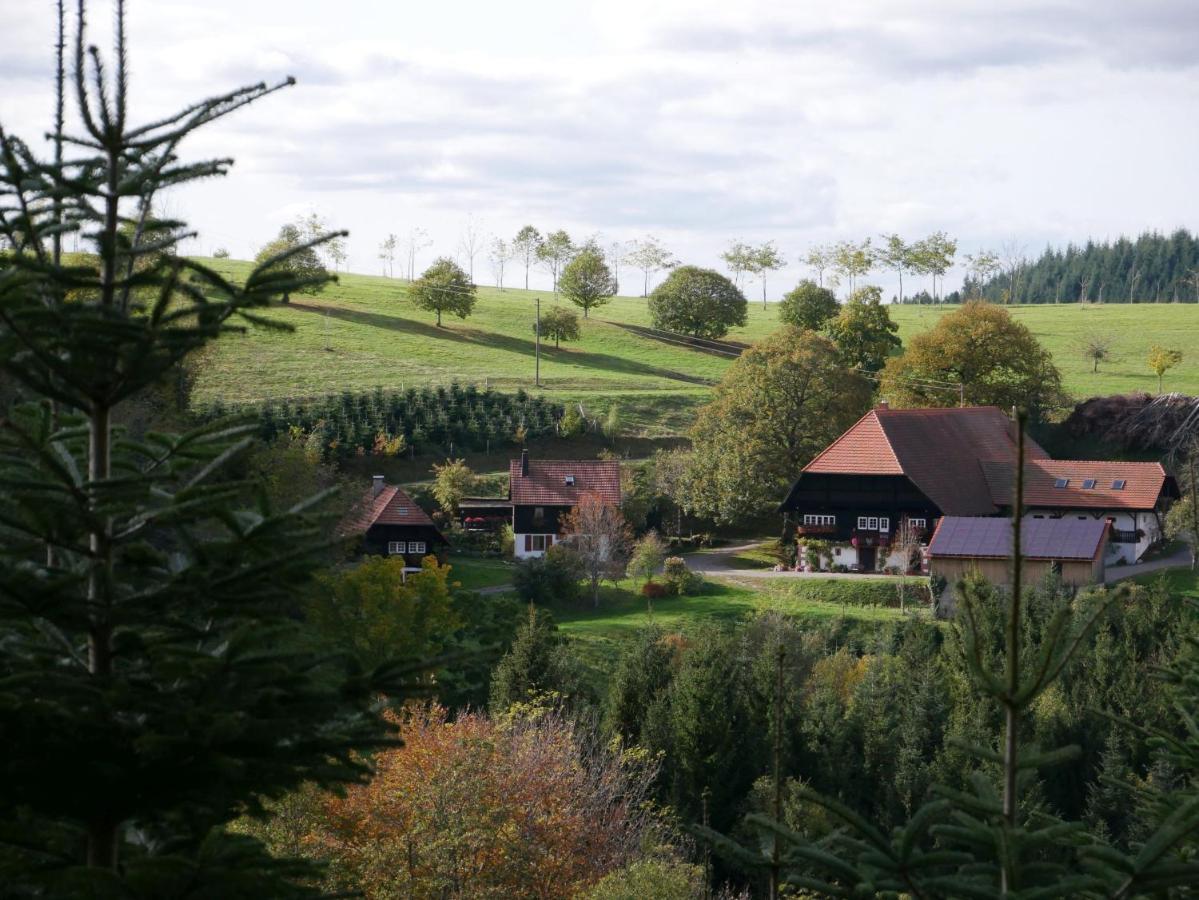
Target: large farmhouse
[540,494]
[897,471]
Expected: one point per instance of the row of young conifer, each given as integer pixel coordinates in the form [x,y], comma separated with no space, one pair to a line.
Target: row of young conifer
[379,422]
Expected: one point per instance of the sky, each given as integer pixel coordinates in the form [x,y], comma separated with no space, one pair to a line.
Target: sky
[999,122]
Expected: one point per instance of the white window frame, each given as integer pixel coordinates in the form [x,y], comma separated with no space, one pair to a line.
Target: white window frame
[819,519]
[918,523]
[546,541]
[395,548]
[884,523]
[868,523]
[417,547]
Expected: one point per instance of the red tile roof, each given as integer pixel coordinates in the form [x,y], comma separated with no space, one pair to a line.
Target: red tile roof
[1144,483]
[940,450]
[545,485]
[991,538]
[391,506]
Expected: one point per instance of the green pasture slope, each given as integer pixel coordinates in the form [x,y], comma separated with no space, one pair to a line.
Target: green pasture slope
[363,332]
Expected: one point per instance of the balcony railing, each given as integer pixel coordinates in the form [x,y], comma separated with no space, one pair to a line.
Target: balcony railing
[1126,537]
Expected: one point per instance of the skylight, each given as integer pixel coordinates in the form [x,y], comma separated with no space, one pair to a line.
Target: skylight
[403,510]
[1088,483]
[1061,482]
[570,481]
[1118,484]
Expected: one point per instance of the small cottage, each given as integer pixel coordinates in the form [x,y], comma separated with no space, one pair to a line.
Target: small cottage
[391,524]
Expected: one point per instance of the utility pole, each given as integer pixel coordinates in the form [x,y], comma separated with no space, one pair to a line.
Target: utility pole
[537,351]
[962,395]
[775,868]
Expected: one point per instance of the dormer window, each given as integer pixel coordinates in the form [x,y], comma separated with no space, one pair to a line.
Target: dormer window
[1118,484]
[570,481]
[1061,483]
[1088,483]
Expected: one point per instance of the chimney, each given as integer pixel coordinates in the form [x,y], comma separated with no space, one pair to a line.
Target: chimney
[882,404]
[376,485]
[524,463]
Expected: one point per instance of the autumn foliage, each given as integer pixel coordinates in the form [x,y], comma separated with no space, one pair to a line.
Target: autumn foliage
[522,806]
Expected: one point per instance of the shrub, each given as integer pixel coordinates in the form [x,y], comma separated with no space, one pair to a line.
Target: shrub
[648,555]
[679,579]
[553,578]
[654,590]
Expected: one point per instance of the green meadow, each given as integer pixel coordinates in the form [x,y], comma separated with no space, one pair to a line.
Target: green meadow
[363,332]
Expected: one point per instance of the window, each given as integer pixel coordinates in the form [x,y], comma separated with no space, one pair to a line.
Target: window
[1118,484]
[868,523]
[1038,516]
[1082,518]
[570,481]
[884,524]
[1088,483]
[538,512]
[540,542]
[817,519]
[918,523]
[1061,483]
[403,511]
[395,547]
[416,547]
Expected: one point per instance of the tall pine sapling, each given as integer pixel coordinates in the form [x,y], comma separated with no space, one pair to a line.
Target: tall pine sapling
[153,684]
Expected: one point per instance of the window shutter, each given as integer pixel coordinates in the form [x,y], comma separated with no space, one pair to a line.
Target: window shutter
[528,543]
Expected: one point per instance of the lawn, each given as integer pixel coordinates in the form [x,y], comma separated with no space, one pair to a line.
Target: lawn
[363,332]
[475,572]
[600,635]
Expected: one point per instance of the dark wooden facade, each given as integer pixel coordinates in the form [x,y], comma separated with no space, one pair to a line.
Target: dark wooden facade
[378,540]
[850,497]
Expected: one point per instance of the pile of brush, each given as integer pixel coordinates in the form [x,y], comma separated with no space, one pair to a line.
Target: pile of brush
[1167,422]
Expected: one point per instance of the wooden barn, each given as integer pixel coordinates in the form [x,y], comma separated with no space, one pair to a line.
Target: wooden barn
[1074,549]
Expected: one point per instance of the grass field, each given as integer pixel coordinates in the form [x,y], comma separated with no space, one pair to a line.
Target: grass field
[601,635]
[474,572]
[364,332]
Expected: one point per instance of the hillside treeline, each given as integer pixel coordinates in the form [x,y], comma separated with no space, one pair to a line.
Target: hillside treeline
[1153,268]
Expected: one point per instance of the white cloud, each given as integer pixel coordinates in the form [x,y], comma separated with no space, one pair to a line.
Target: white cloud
[701,122]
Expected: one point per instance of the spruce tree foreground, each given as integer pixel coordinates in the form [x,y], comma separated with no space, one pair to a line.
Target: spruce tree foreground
[153,684]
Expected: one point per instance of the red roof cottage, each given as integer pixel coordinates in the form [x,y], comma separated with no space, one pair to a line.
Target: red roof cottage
[391,524]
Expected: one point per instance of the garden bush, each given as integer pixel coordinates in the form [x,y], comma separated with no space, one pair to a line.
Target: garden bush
[679,579]
[654,590]
[553,578]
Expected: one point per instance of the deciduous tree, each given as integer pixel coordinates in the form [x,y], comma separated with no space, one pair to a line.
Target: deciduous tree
[896,255]
[1162,360]
[293,254]
[852,260]
[415,241]
[778,405]
[498,254]
[525,246]
[1096,348]
[387,253]
[586,281]
[763,260]
[696,301]
[737,257]
[561,324]
[453,480]
[599,535]
[994,358]
[556,251]
[808,306]
[863,331]
[818,258]
[650,257]
[444,287]
[470,243]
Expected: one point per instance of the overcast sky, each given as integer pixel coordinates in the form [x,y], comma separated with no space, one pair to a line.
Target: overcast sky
[697,122]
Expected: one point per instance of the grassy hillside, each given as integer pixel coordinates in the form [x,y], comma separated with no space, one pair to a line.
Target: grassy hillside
[363,332]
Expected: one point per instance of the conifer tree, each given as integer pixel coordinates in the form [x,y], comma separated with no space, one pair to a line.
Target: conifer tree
[535,665]
[152,683]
